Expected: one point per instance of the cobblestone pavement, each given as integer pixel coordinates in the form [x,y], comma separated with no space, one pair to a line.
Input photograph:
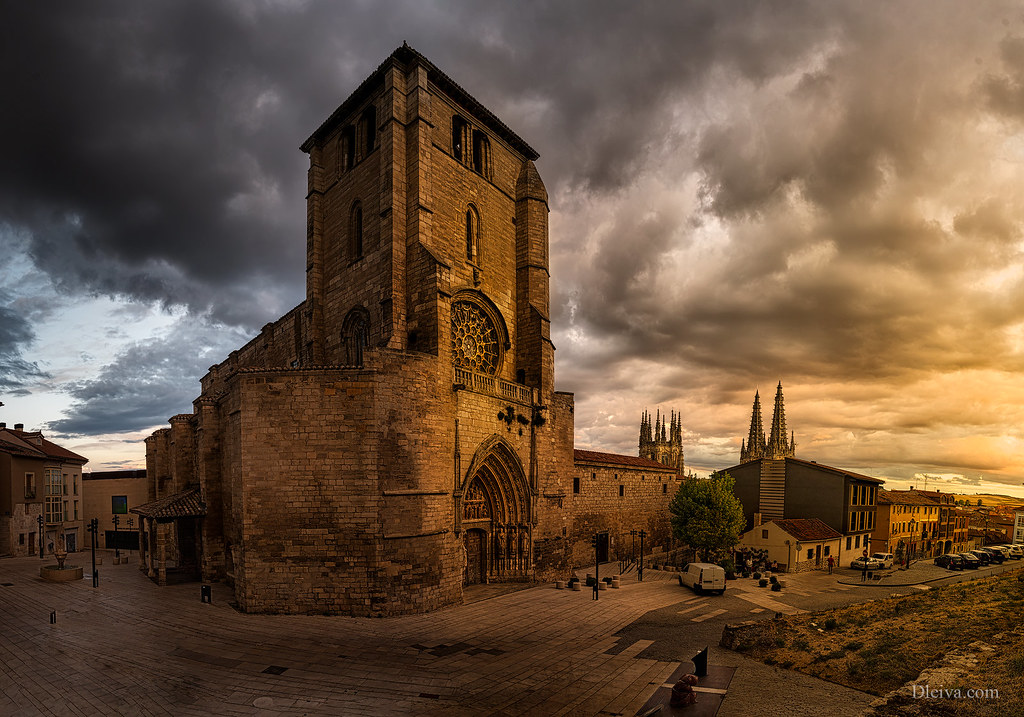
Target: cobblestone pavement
[132,648]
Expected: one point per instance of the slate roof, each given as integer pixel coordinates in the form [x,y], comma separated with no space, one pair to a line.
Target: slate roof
[188,504]
[808,529]
[580,456]
[403,58]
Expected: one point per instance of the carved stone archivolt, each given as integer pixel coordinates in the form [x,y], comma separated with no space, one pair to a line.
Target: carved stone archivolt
[496,500]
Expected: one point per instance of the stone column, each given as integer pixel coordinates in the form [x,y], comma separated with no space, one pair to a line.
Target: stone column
[161,549]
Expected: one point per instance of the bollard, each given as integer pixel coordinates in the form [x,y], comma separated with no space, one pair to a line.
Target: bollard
[576,586]
[205,594]
[53,617]
[700,663]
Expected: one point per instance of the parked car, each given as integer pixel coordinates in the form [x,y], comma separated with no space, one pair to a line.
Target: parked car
[950,562]
[887,559]
[1006,550]
[1015,551]
[996,555]
[866,564]
[983,558]
[703,577]
[970,560]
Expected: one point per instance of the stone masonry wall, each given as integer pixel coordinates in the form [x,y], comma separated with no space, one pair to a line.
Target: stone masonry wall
[643,505]
[345,508]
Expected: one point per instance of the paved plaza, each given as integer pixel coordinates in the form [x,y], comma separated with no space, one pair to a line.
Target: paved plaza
[132,648]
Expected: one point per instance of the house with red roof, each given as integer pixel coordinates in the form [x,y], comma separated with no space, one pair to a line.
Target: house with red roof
[40,494]
[796,544]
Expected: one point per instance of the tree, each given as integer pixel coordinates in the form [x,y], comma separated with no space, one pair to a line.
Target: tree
[706,514]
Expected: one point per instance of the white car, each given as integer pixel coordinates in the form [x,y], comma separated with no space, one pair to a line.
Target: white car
[887,559]
[866,564]
[1012,552]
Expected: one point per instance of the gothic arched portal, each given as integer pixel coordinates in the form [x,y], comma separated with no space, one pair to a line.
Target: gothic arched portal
[496,516]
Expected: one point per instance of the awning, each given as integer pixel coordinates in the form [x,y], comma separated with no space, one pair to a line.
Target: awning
[188,504]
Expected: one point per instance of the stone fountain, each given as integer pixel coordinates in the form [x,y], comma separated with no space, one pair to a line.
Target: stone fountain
[58,573]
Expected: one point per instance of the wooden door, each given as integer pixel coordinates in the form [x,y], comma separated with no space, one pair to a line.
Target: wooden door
[476,563]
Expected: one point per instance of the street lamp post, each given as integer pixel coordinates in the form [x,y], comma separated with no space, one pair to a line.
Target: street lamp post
[632,535]
[41,554]
[94,527]
[117,540]
[640,566]
[131,523]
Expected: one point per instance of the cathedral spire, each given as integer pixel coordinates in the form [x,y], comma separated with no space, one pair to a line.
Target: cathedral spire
[779,445]
[755,437]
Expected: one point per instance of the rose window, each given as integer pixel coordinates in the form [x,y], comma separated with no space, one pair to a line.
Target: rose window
[474,338]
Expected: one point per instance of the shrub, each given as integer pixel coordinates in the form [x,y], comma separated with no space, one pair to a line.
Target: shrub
[776,587]
[831,624]
[763,582]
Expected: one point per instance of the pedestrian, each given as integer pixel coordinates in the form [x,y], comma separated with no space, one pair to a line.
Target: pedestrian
[595,588]
[831,564]
[864,573]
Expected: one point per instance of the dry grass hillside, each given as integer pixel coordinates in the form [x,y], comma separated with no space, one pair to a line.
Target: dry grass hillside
[879,646]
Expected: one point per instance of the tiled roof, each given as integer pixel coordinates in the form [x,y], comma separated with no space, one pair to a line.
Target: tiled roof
[905,497]
[808,528]
[48,448]
[619,460]
[188,504]
[16,449]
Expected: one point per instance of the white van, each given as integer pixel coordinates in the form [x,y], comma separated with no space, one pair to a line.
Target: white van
[703,577]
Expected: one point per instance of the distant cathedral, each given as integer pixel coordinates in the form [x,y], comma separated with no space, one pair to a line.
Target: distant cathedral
[662,442]
[777,446]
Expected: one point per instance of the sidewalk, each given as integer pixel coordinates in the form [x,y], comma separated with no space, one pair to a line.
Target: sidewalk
[919,573]
[130,647]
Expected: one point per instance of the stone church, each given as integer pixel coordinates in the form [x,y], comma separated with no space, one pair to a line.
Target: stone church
[397,435]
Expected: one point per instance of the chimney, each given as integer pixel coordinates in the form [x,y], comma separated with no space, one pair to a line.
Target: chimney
[757,519]
[19,426]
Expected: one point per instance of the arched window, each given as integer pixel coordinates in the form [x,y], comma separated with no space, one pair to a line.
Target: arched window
[472,235]
[356,232]
[481,154]
[348,146]
[459,136]
[355,335]
[369,129]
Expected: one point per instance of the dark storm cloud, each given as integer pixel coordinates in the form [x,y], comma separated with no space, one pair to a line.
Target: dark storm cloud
[16,335]
[147,382]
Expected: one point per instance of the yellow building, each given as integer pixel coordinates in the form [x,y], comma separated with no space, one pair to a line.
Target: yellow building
[918,524]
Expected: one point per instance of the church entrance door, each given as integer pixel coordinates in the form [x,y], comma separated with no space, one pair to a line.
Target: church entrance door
[496,517]
[476,541]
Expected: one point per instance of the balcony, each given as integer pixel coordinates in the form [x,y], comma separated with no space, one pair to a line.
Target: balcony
[493,386]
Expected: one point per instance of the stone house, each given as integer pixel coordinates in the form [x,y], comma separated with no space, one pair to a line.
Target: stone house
[397,435]
[40,494]
[796,544]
